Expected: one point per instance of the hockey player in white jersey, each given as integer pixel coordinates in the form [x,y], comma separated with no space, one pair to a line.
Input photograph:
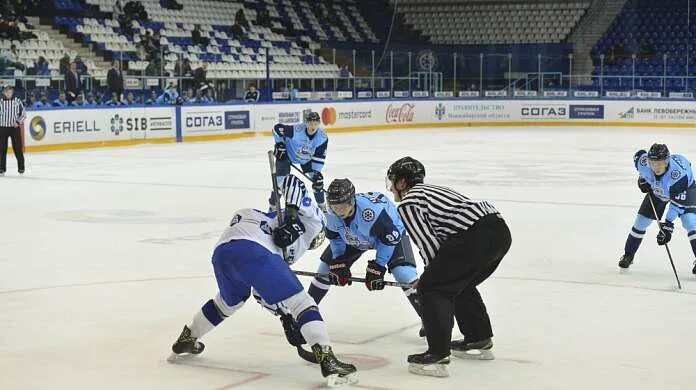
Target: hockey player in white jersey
[250,255]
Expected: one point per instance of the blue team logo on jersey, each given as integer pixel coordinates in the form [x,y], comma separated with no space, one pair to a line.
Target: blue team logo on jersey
[305,151]
[368,215]
[644,160]
[393,237]
[675,174]
[306,201]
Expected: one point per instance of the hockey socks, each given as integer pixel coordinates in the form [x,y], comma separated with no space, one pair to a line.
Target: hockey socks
[318,289]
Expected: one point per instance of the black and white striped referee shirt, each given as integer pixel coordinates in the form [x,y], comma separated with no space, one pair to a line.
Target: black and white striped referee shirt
[432,214]
[11,112]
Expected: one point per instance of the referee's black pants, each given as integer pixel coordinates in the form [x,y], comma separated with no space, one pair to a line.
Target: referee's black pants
[13,133]
[447,287]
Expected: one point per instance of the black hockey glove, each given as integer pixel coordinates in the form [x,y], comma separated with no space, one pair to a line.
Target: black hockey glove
[292,330]
[339,274]
[280,151]
[665,235]
[643,185]
[374,276]
[288,232]
[318,182]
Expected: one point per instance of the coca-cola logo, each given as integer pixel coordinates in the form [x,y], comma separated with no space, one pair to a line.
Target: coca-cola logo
[403,113]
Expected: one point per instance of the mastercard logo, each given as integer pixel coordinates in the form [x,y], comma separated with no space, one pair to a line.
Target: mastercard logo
[328,116]
[37,128]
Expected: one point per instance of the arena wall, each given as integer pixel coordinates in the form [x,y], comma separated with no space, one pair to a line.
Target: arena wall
[61,129]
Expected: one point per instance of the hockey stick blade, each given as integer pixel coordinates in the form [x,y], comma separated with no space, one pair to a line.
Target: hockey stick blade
[354,279]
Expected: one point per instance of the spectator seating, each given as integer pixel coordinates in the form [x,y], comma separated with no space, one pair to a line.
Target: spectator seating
[493,23]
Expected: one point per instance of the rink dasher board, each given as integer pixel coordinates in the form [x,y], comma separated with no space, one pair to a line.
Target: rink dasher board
[57,129]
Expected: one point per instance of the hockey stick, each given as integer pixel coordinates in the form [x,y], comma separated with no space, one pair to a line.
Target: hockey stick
[304,174]
[669,254]
[354,279]
[279,217]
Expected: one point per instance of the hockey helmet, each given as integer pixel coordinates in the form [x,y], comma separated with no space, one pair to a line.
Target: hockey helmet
[341,197]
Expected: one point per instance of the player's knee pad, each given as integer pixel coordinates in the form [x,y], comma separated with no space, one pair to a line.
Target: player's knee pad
[302,308]
[228,308]
[404,273]
[642,223]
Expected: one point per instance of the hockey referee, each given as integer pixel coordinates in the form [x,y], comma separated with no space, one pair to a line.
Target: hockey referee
[11,116]
[461,242]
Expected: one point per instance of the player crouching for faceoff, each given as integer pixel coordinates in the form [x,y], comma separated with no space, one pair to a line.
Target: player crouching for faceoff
[304,144]
[355,224]
[668,179]
[249,255]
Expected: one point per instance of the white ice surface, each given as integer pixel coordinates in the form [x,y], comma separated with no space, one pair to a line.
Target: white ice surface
[104,256]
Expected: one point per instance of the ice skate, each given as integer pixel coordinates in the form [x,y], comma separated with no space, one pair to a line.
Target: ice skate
[478,350]
[626,261]
[185,346]
[336,372]
[428,364]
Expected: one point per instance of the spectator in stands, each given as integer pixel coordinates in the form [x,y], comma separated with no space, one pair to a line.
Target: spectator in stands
[169,96]
[198,99]
[43,101]
[197,37]
[292,91]
[171,4]
[91,101]
[31,101]
[73,83]
[9,30]
[64,64]
[99,98]
[182,68]
[344,73]
[153,97]
[61,101]
[78,102]
[10,59]
[81,67]
[130,99]
[114,101]
[114,78]
[188,97]
[117,10]
[263,18]
[199,77]
[41,67]
[238,31]
[252,95]
[209,96]
[135,10]
[240,19]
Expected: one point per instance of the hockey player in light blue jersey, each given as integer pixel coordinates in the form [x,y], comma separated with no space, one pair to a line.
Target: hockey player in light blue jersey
[303,144]
[249,256]
[357,223]
[668,179]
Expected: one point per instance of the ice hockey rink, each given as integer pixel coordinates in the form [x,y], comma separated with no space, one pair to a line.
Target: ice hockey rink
[105,255]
